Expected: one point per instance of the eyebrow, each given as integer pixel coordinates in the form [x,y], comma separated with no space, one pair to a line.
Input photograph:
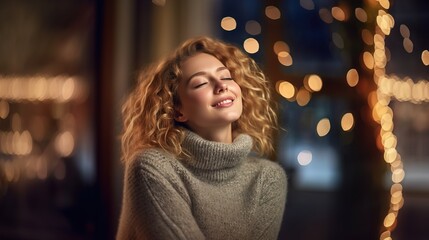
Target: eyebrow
[204,73]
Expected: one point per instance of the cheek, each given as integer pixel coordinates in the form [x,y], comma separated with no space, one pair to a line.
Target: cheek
[191,100]
[237,89]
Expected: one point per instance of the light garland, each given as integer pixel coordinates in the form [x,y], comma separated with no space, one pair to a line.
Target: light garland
[21,154]
[388,88]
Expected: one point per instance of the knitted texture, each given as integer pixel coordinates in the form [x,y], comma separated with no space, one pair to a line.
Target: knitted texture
[218,193]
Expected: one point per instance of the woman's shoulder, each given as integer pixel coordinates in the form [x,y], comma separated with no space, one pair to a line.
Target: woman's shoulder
[153,159]
[267,167]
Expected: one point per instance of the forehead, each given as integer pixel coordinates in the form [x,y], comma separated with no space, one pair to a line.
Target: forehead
[199,62]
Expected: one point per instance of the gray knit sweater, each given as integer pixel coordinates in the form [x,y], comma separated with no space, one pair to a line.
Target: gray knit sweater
[219,193]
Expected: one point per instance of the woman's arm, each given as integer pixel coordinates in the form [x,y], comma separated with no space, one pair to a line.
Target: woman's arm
[156,205]
[271,203]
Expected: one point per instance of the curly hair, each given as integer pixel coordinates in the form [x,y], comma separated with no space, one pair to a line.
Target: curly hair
[149,112]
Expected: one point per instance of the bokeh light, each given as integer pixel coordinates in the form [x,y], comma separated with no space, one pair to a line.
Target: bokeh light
[228,23]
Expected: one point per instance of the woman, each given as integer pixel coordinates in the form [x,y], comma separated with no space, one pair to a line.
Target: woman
[190,126]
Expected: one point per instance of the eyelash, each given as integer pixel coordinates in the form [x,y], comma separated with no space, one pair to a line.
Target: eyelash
[199,85]
[227,78]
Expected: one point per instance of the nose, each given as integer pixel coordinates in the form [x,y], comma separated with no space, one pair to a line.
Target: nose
[221,87]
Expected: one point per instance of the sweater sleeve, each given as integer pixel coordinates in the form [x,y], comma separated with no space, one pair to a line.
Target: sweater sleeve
[272,202]
[156,205]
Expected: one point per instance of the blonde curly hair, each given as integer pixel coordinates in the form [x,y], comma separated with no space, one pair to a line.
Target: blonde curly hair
[149,111]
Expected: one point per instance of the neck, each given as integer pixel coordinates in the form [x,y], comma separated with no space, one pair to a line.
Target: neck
[222,135]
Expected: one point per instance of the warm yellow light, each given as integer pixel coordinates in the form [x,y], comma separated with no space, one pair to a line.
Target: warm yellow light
[286,89]
[228,23]
[384,3]
[367,37]
[389,219]
[368,60]
[390,142]
[385,235]
[390,155]
[338,13]
[396,197]
[352,77]
[272,12]
[325,15]
[304,157]
[408,45]
[314,82]
[64,143]
[425,57]
[395,188]
[303,97]
[347,122]
[398,175]
[361,15]
[385,22]
[68,89]
[379,41]
[251,45]
[323,127]
[280,46]
[4,109]
[253,27]
[404,30]
[285,58]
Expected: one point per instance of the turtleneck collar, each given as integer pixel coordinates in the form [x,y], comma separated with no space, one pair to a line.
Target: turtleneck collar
[214,160]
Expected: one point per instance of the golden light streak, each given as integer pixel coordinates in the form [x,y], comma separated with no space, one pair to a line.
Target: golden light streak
[40,88]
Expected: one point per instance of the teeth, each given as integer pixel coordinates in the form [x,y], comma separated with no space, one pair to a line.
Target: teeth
[224,102]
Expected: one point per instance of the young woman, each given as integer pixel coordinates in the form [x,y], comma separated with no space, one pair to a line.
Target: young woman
[194,130]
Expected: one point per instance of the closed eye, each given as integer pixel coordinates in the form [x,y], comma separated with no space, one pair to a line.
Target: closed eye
[228,78]
[200,85]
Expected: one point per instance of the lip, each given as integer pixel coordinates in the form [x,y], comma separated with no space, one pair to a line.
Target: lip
[224,102]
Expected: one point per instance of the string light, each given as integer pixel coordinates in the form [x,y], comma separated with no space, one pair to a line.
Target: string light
[40,88]
[24,151]
[392,87]
[272,12]
[251,45]
[388,87]
[228,23]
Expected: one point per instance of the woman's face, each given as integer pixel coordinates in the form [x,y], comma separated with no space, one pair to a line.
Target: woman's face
[209,98]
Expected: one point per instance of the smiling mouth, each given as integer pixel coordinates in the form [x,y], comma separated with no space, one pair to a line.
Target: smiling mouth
[225,102]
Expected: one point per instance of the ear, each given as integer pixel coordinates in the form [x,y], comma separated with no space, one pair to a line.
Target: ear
[179,116]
